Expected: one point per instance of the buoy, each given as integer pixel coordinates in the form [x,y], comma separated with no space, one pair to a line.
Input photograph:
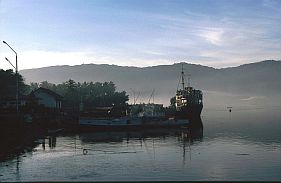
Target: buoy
[85,151]
[229,108]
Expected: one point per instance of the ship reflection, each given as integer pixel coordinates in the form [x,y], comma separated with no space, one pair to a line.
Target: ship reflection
[191,133]
[188,137]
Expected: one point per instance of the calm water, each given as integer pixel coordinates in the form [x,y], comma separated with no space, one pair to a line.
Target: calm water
[242,145]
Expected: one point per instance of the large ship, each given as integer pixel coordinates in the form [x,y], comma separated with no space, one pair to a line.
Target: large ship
[187,106]
[188,101]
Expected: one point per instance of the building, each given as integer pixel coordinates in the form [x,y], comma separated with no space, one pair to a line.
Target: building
[48,98]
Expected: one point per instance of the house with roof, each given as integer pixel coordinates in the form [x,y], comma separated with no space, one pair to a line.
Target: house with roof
[48,98]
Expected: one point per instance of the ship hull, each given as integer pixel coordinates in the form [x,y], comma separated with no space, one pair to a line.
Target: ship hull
[127,123]
[189,112]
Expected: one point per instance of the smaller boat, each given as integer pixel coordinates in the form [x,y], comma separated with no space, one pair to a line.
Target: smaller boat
[140,116]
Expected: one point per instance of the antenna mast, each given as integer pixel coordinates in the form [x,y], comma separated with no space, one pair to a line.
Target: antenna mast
[182,77]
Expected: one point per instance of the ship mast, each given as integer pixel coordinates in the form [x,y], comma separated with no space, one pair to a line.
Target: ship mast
[182,77]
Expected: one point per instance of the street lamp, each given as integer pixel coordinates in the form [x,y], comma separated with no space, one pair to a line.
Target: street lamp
[17,92]
[10,63]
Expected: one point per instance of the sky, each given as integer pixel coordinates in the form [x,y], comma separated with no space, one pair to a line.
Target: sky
[215,33]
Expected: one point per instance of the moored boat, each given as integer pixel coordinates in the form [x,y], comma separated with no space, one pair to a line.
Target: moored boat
[128,122]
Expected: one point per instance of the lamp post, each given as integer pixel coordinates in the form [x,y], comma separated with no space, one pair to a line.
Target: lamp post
[17,84]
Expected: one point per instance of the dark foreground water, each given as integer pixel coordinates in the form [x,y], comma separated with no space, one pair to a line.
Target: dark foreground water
[242,145]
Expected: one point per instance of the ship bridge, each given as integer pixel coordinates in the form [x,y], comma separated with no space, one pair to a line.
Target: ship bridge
[188,97]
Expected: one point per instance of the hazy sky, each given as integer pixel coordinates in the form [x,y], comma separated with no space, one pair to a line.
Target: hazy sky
[140,33]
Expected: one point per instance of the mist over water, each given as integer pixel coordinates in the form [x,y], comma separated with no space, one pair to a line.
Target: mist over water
[244,144]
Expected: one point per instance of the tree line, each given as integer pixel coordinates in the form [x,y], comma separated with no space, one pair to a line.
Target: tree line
[90,94]
[8,85]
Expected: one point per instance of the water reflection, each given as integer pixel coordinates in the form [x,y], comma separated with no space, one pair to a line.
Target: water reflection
[13,145]
[85,147]
[243,148]
[185,135]
[85,142]
[52,142]
[43,144]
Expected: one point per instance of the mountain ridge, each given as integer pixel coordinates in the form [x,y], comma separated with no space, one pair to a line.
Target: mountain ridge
[258,78]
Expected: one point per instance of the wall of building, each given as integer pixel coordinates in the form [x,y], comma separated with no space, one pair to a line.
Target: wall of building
[46,99]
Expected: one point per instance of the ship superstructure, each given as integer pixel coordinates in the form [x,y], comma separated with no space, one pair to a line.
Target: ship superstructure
[147,110]
[189,101]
